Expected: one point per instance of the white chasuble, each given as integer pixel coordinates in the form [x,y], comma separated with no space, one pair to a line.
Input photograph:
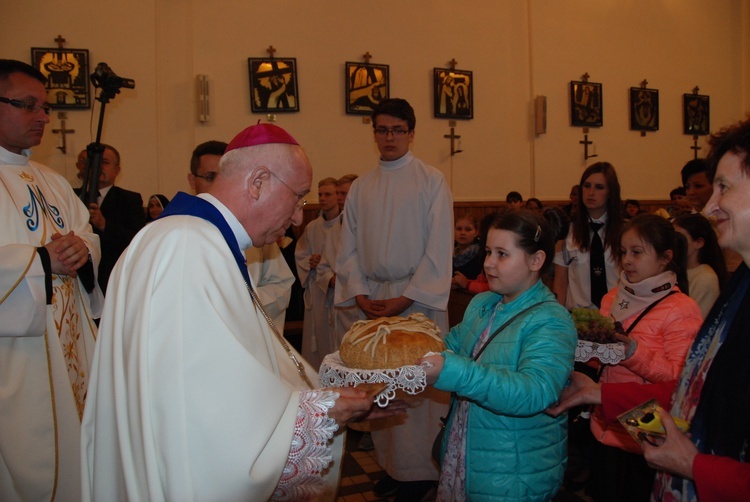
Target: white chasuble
[192,397]
[45,350]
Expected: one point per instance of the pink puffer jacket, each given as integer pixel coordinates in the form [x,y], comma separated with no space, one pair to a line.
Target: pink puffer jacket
[664,336]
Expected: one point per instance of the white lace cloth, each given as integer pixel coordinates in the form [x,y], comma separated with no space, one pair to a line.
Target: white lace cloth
[310,454]
[410,379]
[607,353]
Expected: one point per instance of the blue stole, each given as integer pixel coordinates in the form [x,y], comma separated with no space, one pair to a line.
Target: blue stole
[200,208]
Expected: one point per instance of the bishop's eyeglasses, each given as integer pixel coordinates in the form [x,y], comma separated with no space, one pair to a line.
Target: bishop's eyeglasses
[301,202]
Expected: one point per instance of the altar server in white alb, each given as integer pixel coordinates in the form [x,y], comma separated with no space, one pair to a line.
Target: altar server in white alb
[315,257]
[395,258]
[193,396]
[48,295]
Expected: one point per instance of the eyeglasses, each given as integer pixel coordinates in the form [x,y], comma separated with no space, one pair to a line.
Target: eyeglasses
[209,176]
[301,202]
[28,105]
[397,132]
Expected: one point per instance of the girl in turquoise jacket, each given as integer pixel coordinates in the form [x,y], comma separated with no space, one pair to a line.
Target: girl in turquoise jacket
[505,363]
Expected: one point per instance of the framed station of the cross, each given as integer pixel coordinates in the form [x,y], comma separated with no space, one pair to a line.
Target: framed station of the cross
[453,92]
[366,86]
[67,73]
[695,114]
[273,85]
[586,104]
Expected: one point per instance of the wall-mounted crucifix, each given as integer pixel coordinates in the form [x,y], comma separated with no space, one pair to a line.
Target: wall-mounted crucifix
[367,57]
[585,142]
[62,146]
[453,137]
[270,51]
[695,146]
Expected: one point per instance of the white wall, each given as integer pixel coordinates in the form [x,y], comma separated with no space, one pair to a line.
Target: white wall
[516,50]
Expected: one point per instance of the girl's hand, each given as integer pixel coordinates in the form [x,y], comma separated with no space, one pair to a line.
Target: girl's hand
[434,367]
[459,280]
[630,345]
[676,454]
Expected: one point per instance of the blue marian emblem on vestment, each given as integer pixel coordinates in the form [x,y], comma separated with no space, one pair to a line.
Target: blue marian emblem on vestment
[38,206]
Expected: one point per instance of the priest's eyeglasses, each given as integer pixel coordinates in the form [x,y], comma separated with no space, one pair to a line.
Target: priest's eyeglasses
[397,132]
[209,176]
[301,202]
[29,105]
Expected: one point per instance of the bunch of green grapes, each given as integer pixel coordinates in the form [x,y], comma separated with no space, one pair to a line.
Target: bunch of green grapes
[593,326]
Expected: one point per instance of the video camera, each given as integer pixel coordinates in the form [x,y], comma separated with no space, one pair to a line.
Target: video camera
[107,80]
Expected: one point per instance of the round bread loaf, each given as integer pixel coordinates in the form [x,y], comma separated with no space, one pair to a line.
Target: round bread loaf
[390,342]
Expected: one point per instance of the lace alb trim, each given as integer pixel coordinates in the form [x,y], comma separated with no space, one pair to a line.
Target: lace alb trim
[310,455]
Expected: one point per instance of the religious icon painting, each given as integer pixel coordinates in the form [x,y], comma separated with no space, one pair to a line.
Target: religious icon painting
[67,73]
[695,113]
[586,104]
[366,86]
[273,85]
[644,109]
[454,93]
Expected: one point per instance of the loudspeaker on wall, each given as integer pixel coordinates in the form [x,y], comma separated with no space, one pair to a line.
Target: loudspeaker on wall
[203,102]
[540,115]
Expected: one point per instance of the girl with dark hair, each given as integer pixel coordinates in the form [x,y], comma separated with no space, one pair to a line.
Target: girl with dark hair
[659,323]
[505,363]
[707,272]
[585,267]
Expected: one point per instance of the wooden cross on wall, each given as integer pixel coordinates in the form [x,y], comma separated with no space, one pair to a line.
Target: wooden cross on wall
[586,144]
[367,57]
[695,147]
[60,41]
[271,51]
[452,63]
[453,137]
[62,144]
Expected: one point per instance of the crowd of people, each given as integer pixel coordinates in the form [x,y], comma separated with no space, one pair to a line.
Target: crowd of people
[142,354]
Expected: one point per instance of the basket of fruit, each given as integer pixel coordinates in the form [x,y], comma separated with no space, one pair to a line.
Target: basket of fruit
[596,337]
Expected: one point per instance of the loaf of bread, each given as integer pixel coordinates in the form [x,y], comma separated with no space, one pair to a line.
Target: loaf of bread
[390,342]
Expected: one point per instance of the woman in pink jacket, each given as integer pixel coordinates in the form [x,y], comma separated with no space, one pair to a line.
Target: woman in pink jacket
[659,323]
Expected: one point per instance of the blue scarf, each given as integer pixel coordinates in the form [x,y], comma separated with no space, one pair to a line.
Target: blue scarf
[190,205]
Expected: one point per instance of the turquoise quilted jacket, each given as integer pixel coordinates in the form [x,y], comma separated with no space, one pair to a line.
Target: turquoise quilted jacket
[515,452]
